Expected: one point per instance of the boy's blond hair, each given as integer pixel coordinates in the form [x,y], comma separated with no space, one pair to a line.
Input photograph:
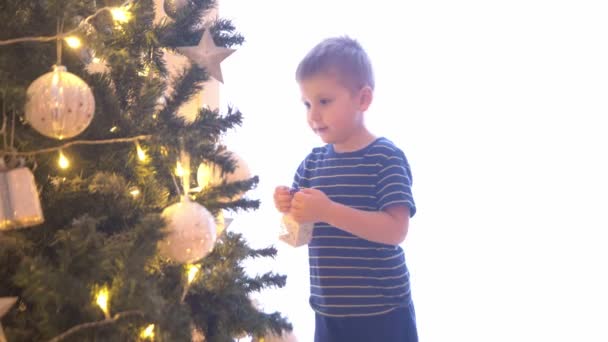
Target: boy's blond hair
[342,56]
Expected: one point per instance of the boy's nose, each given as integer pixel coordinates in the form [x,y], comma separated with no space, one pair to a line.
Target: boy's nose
[314,114]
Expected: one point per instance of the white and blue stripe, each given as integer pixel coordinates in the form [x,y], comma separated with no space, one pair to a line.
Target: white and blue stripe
[351,276]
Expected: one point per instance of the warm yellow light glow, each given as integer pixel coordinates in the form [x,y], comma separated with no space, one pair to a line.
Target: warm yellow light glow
[135,192]
[96,60]
[179,170]
[120,14]
[63,162]
[163,151]
[144,72]
[102,297]
[147,332]
[113,129]
[141,154]
[73,42]
[205,171]
[192,271]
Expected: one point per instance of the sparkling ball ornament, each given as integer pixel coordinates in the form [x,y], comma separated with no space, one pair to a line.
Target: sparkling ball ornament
[59,104]
[172,7]
[191,232]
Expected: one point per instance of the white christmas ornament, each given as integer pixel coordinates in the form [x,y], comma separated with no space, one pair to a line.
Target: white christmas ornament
[241,171]
[5,304]
[210,174]
[191,232]
[294,233]
[97,66]
[19,201]
[59,104]
[207,55]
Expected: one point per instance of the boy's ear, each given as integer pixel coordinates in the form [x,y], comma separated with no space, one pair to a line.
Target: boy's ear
[366,95]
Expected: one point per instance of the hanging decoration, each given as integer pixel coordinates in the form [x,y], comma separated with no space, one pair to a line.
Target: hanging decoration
[173,7]
[207,55]
[5,304]
[241,173]
[210,174]
[293,233]
[191,232]
[191,228]
[241,170]
[19,201]
[59,104]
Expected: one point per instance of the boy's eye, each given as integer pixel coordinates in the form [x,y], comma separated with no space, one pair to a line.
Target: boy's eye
[324,101]
[307,105]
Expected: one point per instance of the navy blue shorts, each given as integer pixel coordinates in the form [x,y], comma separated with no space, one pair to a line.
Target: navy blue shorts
[398,325]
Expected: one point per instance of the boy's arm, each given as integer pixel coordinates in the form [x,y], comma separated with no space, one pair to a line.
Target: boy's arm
[389,226]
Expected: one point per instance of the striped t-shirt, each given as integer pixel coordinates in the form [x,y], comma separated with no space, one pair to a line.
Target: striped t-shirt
[349,275]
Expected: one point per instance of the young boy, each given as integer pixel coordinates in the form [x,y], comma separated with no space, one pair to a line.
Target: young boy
[357,191]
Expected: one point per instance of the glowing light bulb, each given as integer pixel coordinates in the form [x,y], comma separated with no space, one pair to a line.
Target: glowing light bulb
[120,14]
[73,42]
[141,154]
[147,332]
[192,271]
[135,192]
[101,299]
[144,72]
[63,162]
[179,170]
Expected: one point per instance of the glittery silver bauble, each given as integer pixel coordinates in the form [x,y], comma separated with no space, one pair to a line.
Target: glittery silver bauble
[191,232]
[59,104]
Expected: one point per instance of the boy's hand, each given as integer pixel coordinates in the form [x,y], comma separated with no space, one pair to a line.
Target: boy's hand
[282,199]
[310,205]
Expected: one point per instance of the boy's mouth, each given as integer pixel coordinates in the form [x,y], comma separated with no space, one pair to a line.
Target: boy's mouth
[319,130]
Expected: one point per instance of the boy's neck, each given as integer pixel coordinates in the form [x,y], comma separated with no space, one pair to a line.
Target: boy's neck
[355,143]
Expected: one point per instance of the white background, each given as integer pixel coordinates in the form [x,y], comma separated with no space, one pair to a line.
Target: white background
[500,107]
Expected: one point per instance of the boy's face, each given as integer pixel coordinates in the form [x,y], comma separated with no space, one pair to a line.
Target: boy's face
[334,112]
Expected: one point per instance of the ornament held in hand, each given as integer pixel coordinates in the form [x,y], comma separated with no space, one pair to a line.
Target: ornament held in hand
[293,233]
[191,232]
[59,104]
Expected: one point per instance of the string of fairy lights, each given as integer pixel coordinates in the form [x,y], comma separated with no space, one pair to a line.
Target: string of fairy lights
[102,294]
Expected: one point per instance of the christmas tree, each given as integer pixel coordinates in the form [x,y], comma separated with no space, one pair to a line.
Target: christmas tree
[105,232]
